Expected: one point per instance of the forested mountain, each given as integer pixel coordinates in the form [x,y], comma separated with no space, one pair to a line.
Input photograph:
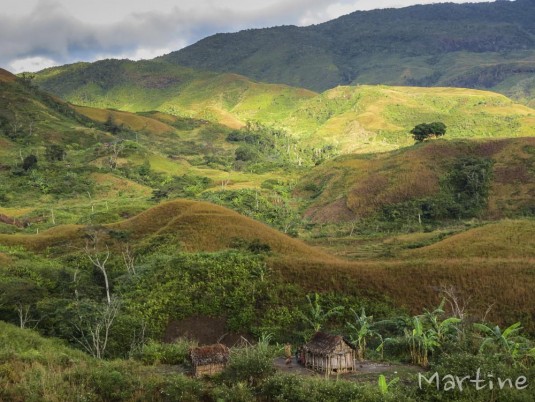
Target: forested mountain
[484,45]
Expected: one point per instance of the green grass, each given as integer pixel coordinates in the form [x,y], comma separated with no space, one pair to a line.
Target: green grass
[351,119]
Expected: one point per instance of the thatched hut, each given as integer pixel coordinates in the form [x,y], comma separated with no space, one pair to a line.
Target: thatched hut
[330,354]
[209,360]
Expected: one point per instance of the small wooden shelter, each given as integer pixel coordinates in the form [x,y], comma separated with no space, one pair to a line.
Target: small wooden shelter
[330,354]
[209,360]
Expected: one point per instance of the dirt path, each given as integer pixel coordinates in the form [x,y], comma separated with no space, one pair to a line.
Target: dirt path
[366,370]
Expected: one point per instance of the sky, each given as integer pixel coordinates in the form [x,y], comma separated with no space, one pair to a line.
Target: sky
[36,34]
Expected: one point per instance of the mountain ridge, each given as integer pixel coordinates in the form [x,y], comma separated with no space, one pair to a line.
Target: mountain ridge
[478,45]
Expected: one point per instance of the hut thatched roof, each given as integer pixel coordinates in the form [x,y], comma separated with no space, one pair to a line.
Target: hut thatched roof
[212,354]
[326,344]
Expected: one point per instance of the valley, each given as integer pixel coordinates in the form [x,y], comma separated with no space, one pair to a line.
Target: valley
[147,205]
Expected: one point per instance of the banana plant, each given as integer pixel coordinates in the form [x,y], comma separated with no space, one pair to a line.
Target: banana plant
[509,341]
[316,316]
[503,340]
[421,342]
[384,386]
[361,331]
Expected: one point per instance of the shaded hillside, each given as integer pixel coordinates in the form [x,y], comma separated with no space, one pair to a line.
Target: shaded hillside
[29,116]
[6,76]
[484,45]
[354,187]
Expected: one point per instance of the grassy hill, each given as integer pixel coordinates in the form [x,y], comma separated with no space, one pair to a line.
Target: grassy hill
[359,186]
[29,116]
[347,119]
[192,225]
[378,118]
[487,45]
[462,260]
[110,163]
[150,85]
[504,239]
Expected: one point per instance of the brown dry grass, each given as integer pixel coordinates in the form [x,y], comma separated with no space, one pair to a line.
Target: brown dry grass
[130,120]
[4,259]
[414,284]
[6,76]
[367,183]
[476,262]
[198,226]
[201,226]
[504,239]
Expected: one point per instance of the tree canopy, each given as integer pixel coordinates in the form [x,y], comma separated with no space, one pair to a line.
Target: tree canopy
[426,130]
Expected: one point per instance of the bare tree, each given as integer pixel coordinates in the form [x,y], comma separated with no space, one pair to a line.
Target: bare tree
[94,331]
[138,339]
[15,125]
[129,260]
[99,260]
[457,303]
[75,282]
[23,312]
[116,148]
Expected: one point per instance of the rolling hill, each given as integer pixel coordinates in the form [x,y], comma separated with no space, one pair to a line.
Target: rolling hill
[185,92]
[357,186]
[348,119]
[483,45]
[201,227]
[31,116]
[198,226]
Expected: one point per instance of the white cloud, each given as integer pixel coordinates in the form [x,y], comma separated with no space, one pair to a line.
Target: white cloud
[31,64]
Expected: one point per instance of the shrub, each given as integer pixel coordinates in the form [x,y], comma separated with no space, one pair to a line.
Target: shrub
[251,364]
[183,389]
[302,389]
[165,353]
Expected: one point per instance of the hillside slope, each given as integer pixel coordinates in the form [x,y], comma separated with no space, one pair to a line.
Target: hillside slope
[504,239]
[484,45]
[31,116]
[197,226]
[151,85]
[358,186]
[201,227]
[348,119]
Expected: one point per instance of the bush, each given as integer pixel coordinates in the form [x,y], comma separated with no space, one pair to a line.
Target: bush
[251,364]
[165,353]
[301,389]
[183,389]
[29,163]
[114,381]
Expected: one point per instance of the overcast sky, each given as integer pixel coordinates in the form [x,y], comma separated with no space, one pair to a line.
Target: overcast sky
[35,34]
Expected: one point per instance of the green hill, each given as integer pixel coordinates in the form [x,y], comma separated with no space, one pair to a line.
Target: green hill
[347,119]
[151,85]
[29,116]
[486,45]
